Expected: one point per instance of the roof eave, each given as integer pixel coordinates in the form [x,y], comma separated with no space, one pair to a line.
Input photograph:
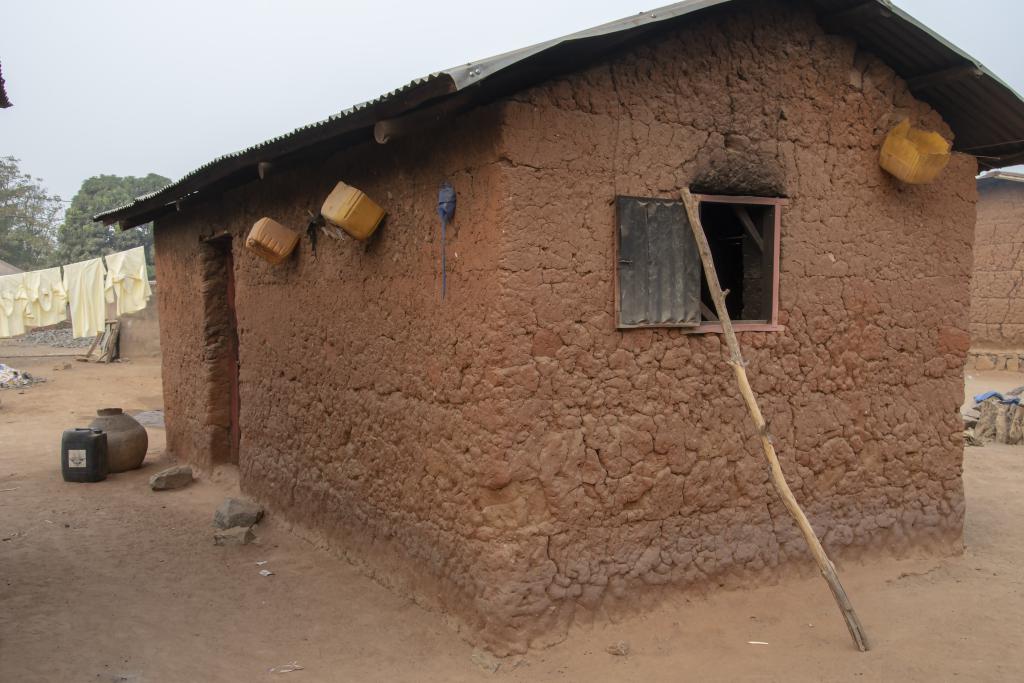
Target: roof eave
[986,115]
[244,163]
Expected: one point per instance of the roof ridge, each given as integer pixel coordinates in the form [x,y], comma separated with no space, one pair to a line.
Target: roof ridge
[986,114]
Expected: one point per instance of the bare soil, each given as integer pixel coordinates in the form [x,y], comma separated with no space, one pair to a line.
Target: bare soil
[113,582]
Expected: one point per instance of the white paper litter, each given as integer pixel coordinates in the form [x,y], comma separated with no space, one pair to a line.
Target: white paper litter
[756,642]
[12,378]
[260,563]
[286,668]
[266,572]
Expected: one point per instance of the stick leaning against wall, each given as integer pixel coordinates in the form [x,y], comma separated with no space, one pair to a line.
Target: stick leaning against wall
[828,570]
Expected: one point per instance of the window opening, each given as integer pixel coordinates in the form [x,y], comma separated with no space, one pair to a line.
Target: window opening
[741,245]
[659,278]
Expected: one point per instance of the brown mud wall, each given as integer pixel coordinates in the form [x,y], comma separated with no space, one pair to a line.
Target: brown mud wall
[195,346]
[626,459]
[509,455]
[364,407]
[140,331]
[181,342]
[997,288]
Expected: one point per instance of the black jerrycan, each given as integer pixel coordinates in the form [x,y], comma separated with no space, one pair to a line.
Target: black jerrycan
[83,455]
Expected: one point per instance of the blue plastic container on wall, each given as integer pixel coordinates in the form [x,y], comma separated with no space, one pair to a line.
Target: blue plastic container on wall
[83,455]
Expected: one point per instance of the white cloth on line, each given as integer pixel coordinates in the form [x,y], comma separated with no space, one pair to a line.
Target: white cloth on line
[12,305]
[47,302]
[83,282]
[128,280]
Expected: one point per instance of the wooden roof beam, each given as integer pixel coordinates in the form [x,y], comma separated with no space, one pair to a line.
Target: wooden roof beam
[943,76]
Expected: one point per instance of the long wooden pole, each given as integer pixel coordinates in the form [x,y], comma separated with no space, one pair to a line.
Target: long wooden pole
[828,570]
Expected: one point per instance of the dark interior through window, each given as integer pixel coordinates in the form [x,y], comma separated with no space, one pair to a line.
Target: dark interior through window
[741,240]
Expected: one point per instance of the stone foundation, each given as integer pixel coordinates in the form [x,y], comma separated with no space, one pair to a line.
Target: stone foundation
[981,361]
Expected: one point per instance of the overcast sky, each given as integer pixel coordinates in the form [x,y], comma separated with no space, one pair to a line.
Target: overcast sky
[129,87]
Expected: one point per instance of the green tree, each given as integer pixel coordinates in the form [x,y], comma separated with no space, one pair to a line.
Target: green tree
[28,218]
[80,238]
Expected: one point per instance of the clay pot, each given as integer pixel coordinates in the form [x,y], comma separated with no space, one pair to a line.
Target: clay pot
[127,440]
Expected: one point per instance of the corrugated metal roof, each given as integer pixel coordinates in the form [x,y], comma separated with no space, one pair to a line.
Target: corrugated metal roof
[986,114]
[1008,176]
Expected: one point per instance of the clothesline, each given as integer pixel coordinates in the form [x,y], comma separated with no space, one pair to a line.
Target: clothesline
[44,297]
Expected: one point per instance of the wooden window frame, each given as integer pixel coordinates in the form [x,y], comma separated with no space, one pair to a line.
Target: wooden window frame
[714,327]
[772,324]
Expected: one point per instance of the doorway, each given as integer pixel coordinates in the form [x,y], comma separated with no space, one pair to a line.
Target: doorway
[221,361]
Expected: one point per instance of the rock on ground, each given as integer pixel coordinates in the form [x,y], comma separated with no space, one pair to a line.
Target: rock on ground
[237,512]
[171,478]
[239,535]
[485,660]
[150,418]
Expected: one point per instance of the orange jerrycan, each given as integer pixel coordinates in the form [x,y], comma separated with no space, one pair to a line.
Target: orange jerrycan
[352,211]
[913,155]
[271,240]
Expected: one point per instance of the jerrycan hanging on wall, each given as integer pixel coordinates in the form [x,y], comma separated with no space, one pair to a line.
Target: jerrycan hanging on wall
[352,211]
[913,155]
[271,240]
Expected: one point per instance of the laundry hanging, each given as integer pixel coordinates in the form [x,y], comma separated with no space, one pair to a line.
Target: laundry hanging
[83,282]
[12,305]
[128,280]
[46,301]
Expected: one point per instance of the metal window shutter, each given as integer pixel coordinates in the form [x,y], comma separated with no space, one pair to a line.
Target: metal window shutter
[658,264]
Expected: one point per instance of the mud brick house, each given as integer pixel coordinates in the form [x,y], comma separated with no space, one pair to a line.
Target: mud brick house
[560,436]
[997,288]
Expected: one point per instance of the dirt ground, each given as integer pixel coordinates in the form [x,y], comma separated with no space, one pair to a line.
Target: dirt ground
[113,582]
